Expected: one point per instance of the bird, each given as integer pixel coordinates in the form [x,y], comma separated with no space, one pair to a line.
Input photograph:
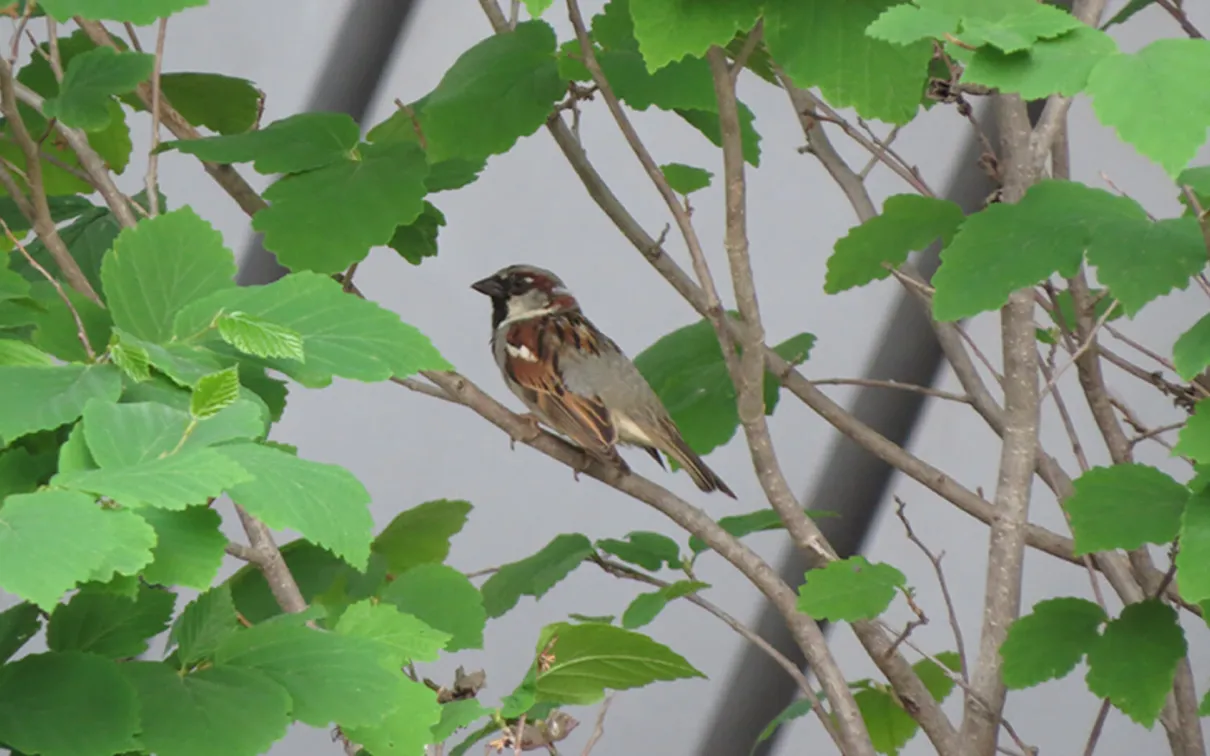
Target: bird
[574,378]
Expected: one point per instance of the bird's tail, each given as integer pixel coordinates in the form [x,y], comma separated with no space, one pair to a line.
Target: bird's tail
[705,478]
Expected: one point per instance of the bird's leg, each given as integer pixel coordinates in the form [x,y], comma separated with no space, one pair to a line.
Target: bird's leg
[528,436]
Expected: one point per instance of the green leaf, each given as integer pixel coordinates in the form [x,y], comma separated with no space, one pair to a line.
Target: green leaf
[131,359]
[214,393]
[456,715]
[823,44]
[110,625]
[318,572]
[686,179]
[1141,261]
[418,239]
[48,543]
[189,547]
[1128,10]
[401,637]
[534,575]
[1006,247]
[590,658]
[67,704]
[668,30]
[407,729]
[323,502]
[342,335]
[137,12]
[331,677]
[1193,560]
[1134,661]
[1124,507]
[55,326]
[651,551]
[647,606]
[849,589]
[1061,65]
[795,710]
[1172,129]
[259,337]
[88,238]
[513,77]
[129,540]
[123,435]
[1100,310]
[204,623]
[191,476]
[22,472]
[18,624]
[442,598]
[906,23]
[908,223]
[752,522]
[537,7]
[1194,439]
[421,535]
[224,104]
[1191,352]
[227,710]
[178,250]
[41,398]
[91,79]
[302,142]
[13,352]
[326,219]
[1050,641]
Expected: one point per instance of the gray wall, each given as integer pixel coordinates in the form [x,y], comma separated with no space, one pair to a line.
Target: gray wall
[529,206]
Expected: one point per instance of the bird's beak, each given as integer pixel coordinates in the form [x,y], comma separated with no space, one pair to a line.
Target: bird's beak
[490,286]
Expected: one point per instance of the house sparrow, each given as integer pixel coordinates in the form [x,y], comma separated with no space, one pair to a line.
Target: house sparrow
[575,378]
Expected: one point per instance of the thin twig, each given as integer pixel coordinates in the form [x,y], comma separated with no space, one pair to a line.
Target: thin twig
[132,36]
[598,730]
[17,35]
[1097,725]
[755,37]
[153,155]
[52,43]
[81,333]
[1080,351]
[1178,13]
[874,383]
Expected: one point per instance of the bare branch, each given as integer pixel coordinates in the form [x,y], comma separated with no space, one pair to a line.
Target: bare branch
[81,333]
[598,730]
[153,155]
[1054,114]
[874,383]
[269,559]
[1178,13]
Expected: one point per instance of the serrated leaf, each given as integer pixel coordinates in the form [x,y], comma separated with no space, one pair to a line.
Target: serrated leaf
[323,502]
[1129,9]
[259,337]
[823,44]
[849,589]
[224,104]
[534,575]
[1124,507]
[41,398]
[401,637]
[687,372]
[182,253]
[55,329]
[48,543]
[108,624]
[1050,641]
[418,239]
[442,598]
[456,715]
[1193,560]
[204,623]
[342,335]
[1134,661]
[18,624]
[302,142]
[1139,261]
[647,606]
[651,551]
[421,534]
[215,710]
[189,546]
[214,393]
[42,692]
[590,658]
[331,677]
[1194,439]
[537,7]
[906,23]
[408,728]
[22,472]
[122,435]
[668,30]
[322,577]
[91,80]
[328,218]
[129,540]
[137,12]
[131,359]
[1006,247]
[1172,129]
[1061,65]
[908,223]
[1191,352]
[13,352]
[190,476]
[686,179]
[512,76]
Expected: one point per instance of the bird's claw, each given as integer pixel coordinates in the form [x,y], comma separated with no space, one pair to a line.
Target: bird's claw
[535,430]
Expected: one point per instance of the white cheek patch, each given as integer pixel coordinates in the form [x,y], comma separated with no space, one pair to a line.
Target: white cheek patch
[520,352]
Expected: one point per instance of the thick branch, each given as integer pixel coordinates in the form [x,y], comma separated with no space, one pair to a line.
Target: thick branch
[263,552]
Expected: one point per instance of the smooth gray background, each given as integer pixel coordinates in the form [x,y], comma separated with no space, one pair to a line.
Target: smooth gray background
[529,206]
